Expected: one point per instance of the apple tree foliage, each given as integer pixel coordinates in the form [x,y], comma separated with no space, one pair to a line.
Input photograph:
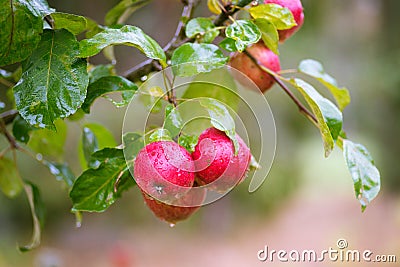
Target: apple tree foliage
[52,80]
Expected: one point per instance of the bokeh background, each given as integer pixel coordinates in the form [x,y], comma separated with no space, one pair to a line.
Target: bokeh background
[307,202]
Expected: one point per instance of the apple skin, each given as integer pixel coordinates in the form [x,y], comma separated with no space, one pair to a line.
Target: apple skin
[188,204]
[296,8]
[215,161]
[244,64]
[164,170]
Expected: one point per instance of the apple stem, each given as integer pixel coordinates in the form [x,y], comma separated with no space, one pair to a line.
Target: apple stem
[275,76]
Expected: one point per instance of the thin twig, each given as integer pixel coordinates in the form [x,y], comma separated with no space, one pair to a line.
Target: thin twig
[10,138]
[8,116]
[301,107]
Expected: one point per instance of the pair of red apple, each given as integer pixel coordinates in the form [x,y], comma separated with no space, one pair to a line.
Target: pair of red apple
[165,171]
[260,52]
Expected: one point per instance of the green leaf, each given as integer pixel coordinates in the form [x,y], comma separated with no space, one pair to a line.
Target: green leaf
[61,171]
[104,86]
[97,189]
[94,137]
[48,142]
[93,28]
[202,28]
[188,141]
[89,145]
[73,23]
[53,83]
[100,71]
[121,12]
[38,213]
[315,69]
[280,16]
[217,84]
[133,143]
[191,59]
[159,135]
[39,7]
[329,117]
[269,34]
[21,25]
[366,176]
[228,44]
[221,118]
[173,120]
[127,35]
[21,129]
[10,180]
[244,32]
[214,7]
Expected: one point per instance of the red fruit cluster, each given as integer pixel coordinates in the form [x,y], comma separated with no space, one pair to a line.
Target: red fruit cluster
[165,173]
[262,54]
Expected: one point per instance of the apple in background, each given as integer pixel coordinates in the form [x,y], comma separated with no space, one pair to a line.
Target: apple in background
[296,8]
[244,64]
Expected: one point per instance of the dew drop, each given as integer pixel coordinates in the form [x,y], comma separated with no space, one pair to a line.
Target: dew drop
[159,189]
[143,78]
[39,157]
[171,225]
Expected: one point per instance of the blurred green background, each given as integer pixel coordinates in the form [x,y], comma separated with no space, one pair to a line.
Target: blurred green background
[307,202]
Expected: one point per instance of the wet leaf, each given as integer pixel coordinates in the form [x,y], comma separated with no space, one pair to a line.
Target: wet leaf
[228,44]
[104,86]
[191,59]
[61,171]
[244,32]
[97,189]
[280,16]
[188,141]
[329,117]
[21,129]
[94,137]
[221,118]
[21,25]
[269,34]
[127,35]
[366,176]
[38,212]
[173,120]
[53,84]
[315,69]
[73,23]
[202,28]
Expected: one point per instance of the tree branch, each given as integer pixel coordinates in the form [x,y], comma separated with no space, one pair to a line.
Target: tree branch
[301,107]
[8,116]
[179,38]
